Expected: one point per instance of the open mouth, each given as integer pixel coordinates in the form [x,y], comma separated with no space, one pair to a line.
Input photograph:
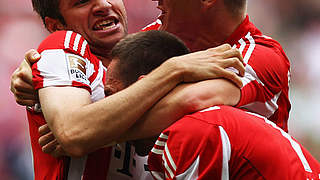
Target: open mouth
[105,24]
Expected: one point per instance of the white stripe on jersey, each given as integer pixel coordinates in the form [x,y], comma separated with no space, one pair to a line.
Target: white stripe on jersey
[211,109]
[226,150]
[67,39]
[76,42]
[76,168]
[166,166]
[157,151]
[170,161]
[170,157]
[158,21]
[296,147]
[160,143]
[163,136]
[192,172]
[251,48]
[83,47]
[242,45]
[157,175]
[266,108]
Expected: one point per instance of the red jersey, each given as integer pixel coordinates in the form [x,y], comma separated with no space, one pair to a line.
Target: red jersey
[227,143]
[266,80]
[66,60]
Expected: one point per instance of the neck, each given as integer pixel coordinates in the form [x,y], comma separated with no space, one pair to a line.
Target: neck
[103,55]
[213,32]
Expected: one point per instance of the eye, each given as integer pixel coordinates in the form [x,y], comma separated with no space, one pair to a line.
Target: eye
[80,2]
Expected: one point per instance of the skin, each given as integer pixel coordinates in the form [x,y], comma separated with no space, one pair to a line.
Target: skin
[190,68]
[83,16]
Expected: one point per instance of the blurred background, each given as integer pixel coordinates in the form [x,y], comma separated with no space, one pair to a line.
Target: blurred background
[294,23]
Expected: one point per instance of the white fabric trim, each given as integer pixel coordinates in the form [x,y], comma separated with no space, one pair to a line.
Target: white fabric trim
[211,109]
[251,48]
[76,168]
[157,151]
[226,150]
[192,172]
[67,39]
[83,47]
[76,42]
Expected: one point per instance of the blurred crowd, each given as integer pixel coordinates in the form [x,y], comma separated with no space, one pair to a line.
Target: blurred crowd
[294,23]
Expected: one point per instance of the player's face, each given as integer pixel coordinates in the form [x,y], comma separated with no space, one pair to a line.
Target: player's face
[101,22]
[113,84]
[179,16]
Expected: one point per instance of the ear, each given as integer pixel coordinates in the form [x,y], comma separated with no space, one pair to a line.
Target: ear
[207,4]
[53,24]
[142,76]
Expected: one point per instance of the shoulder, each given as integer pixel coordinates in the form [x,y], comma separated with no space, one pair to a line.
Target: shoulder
[153,26]
[68,41]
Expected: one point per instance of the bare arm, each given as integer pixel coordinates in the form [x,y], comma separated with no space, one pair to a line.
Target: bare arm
[184,99]
[83,127]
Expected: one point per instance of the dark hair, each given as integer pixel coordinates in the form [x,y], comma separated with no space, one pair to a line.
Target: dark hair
[235,6]
[48,8]
[142,52]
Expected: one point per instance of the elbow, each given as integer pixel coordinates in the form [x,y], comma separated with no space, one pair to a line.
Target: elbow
[72,143]
[197,103]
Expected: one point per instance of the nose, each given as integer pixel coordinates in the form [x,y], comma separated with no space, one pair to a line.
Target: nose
[101,7]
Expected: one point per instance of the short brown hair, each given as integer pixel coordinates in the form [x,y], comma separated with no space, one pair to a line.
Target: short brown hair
[142,52]
[48,8]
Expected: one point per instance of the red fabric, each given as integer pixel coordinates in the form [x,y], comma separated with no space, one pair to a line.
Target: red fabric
[258,150]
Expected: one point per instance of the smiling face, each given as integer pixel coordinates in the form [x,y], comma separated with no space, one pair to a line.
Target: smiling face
[101,22]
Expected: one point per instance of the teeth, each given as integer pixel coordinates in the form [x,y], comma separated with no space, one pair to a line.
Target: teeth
[106,24]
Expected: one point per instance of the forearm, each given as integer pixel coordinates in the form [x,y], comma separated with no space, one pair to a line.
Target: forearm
[88,127]
[183,100]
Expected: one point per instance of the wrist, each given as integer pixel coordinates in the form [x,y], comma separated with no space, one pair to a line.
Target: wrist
[174,69]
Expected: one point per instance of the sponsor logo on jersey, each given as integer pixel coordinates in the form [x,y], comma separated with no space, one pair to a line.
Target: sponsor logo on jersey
[78,68]
[77,63]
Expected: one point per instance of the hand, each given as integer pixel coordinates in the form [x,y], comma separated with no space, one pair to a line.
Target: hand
[212,64]
[21,80]
[48,142]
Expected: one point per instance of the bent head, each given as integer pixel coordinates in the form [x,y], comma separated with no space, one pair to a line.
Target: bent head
[138,54]
[101,22]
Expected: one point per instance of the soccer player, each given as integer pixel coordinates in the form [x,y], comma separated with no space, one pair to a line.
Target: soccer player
[69,78]
[215,22]
[202,24]
[220,142]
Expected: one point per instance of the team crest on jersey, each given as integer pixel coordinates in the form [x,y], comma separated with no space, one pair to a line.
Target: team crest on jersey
[77,67]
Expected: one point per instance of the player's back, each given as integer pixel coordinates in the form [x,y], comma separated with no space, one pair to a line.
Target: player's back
[260,149]
[227,143]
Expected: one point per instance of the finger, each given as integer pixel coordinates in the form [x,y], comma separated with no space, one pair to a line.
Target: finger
[21,86]
[50,147]
[232,77]
[235,63]
[233,53]
[44,129]
[32,56]
[46,139]
[24,102]
[25,96]
[25,72]
[221,48]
